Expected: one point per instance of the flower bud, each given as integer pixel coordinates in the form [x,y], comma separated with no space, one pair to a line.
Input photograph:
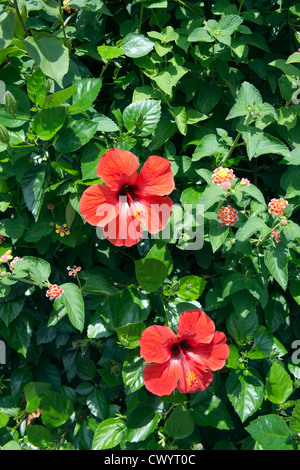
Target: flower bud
[4,135]
[10,103]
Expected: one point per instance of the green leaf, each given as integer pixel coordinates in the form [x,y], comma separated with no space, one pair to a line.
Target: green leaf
[209,95]
[217,234]
[56,99]
[248,99]
[200,35]
[50,54]
[108,434]
[56,409]
[136,45]
[141,422]
[39,436]
[245,390]
[271,432]
[212,412]
[190,288]
[34,183]
[110,52]
[279,385]
[96,283]
[211,195]
[129,306]
[254,192]
[36,88]
[76,134]
[180,423]
[253,225]
[51,7]
[4,418]
[47,122]
[150,273]
[209,145]
[276,260]
[87,92]
[168,78]
[33,392]
[10,310]
[142,116]
[73,302]
[7,26]
[132,372]
[97,404]
[259,143]
[129,335]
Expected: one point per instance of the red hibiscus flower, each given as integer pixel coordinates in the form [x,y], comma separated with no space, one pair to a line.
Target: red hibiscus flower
[129,199]
[185,361]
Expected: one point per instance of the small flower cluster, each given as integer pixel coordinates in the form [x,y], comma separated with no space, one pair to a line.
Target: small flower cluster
[223,177]
[73,271]
[276,206]
[245,182]
[2,238]
[6,257]
[275,235]
[227,215]
[62,230]
[54,292]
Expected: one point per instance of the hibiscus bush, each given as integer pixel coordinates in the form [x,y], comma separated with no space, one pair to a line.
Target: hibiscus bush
[149,232]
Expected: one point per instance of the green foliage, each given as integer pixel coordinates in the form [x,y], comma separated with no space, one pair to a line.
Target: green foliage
[204,85]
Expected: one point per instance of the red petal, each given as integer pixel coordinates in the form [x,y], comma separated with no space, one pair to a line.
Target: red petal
[156,177]
[158,211]
[98,205]
[117,167]
[211,356]
[156,343]
[125,229]
[195,327]
[161,379]
[193,378]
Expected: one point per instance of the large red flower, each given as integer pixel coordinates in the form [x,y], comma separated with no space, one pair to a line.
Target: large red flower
[128,199]
[185,361]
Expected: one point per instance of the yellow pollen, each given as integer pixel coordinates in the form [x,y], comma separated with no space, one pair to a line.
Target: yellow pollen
[140,215]
[191,379]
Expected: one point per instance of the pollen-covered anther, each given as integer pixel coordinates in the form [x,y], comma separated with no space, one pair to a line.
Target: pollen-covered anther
[140,215]
[191,379]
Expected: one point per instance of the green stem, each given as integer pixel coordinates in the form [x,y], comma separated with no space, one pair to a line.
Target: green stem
[167,318]
[20,18]
[141,17]
[62,22]
[231,149]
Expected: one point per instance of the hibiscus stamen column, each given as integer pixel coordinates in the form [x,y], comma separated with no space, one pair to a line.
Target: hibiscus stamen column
[190,379]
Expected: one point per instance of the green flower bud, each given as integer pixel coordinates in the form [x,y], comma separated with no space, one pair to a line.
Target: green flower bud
[10,103]
[4,135]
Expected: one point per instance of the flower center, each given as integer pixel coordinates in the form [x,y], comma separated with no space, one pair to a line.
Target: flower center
[128,191]
[191,379]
